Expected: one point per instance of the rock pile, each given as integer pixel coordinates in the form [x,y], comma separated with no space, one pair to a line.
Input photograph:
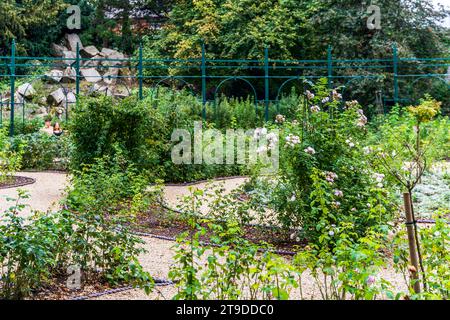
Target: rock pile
[102,72]
[100,68]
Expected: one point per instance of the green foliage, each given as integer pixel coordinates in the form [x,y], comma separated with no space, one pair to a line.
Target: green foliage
[324,176]
[141,131]
[36,252]
[102,186]
[25,22]
[297,29]
[435,242]
[42,152]
[426,110]
[24,126]
[241,29]
[278,24]
[101,125]
[405,144]
[348,270]
[10,159]
[230,268]
[118,23]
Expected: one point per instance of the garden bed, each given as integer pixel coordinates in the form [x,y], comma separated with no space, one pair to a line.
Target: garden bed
[161,222]
[59,290]
[16,181]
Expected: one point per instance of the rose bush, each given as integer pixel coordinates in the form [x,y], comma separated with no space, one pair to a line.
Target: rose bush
[324,177]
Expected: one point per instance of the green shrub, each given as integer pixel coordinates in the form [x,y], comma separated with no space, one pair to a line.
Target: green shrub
[324,176]
[10,159]
[229,269]
[101,127]
[348,269]
[435,243]
[41,151]
[104,185]
[37,252]
[235,268]
[25,126]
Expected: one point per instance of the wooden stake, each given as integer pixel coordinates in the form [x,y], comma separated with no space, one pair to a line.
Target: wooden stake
[412,241]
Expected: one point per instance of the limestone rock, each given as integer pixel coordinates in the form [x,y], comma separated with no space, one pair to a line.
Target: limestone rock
[70,99]
[91,75]
[55,75]
[110,77]
[18,99]
[126,76]
[121,94]
[70,75]
[26,90]
[93,62]
[69,58]
[114,55]
[89,52]
[72,39]
[99,89]
[57,96]
[58,51]
[40,111]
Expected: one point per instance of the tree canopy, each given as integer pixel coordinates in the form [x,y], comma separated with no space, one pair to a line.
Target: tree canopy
[30,22]
[300,29]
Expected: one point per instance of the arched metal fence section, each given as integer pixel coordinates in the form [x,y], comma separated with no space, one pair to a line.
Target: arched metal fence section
[264,79]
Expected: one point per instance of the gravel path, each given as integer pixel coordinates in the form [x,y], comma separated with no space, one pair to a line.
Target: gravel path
[44,193]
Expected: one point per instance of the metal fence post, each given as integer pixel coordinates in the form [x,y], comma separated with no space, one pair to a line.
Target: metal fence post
[395,65]
[266,83]
[141,71]
[203,81]
[12,69]
[330,67]
[77,70]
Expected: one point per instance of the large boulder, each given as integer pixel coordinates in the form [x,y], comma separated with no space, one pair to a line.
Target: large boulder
[69,58]
[18,99]
[126,76]
[26,90]
[94,62]
[69,75]
[56,97]
[70,98]
[91,75]
[72,39]
[58,50]
[121,92]
[111,76]
[89,52]
[121,95]
[114,55]
[55,75]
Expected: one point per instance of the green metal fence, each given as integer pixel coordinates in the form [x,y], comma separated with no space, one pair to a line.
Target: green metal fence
[265,79]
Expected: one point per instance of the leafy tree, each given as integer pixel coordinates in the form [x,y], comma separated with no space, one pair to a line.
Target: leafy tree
[26,21]
[236,28]
[111,23]
[303,29]
[412,24]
